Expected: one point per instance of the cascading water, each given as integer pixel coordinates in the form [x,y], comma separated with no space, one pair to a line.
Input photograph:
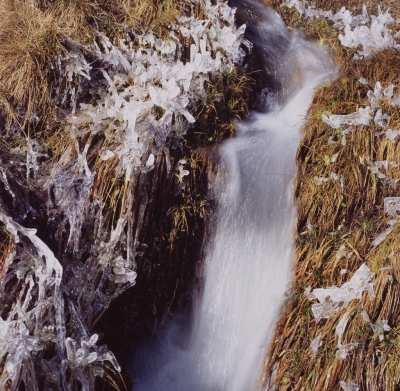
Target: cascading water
[250,256]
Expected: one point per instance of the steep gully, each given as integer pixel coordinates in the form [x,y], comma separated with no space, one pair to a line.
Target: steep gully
[218,345]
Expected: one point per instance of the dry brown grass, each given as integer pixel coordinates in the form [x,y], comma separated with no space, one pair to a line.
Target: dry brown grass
[29,41]
[328,217]
[154,15]
[33,34]
[88,16]
[6,247]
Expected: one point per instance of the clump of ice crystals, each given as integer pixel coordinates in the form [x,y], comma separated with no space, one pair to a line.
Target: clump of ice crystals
[372,38]
[181,172]
[334,298]
[371,32]
[350,386]
[139,79]
[379,327]
[365,116]
[38,316]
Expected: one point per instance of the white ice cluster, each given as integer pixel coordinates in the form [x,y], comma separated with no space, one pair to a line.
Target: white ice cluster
[87,356]
[343,252]
[341,18]
[150,90]
[343,349]
[365,116]
[378,168]
[334,298]
[379,327]
[38,315]
[350,386]
[181,172]
[371,32]
[372,38]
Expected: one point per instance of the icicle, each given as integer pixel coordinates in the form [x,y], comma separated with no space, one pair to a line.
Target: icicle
[3,178]
[181,172]
[343,350]
[315,344]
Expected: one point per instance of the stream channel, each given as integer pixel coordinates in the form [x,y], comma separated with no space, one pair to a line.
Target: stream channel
[220,343]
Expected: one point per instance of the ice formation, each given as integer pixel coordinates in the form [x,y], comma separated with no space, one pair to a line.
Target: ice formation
[153,76]
[371,32]
[315,344]
[343,252]
[350,386]
[379,168]
[368,34]
[379,327]
[181,172]
[343,350]
[321,180]
[141,97]
[334,298]
[361,117]
[373,38]
[372,113]
[391,206]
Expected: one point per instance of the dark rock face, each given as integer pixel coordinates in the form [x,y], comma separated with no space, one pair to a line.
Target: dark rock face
[261,21]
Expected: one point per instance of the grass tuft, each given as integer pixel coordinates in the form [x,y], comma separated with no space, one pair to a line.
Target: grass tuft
[29,40]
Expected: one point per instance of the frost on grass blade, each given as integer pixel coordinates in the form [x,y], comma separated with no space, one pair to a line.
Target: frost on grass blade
[315,344]
[392,208]
[350,386]
[343,349]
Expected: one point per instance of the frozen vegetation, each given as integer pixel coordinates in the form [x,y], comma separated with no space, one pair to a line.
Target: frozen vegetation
[367,34]
[373,114]
[143,93]
[333,299]
[371,32]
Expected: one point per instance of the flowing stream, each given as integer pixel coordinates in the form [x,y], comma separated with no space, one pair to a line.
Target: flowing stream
[220,347]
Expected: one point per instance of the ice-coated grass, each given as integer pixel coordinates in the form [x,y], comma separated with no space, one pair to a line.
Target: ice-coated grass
[348,172]
[369,32]
[115,98]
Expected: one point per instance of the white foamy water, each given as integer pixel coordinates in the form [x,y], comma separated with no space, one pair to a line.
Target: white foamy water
[250,256]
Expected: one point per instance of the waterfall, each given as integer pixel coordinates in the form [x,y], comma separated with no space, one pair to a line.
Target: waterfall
[250,255]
